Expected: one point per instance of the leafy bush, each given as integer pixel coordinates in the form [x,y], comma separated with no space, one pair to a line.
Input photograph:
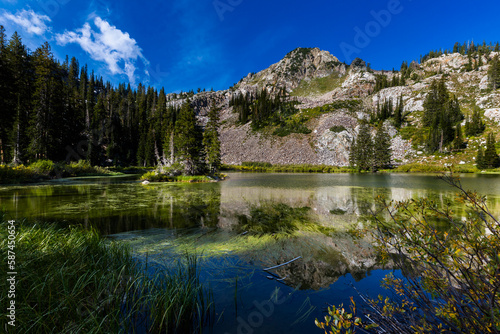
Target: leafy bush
[84,168]
[46,169]
[451,275]
[43,167]
[157,177]
[18,174]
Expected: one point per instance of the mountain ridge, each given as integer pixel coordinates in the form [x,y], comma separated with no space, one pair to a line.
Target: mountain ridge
[305,67]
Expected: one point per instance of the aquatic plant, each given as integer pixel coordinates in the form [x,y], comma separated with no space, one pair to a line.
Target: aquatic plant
[273,217]
[156,176]
[72,280]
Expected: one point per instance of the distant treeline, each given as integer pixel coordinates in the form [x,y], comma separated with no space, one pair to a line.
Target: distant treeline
[64,111]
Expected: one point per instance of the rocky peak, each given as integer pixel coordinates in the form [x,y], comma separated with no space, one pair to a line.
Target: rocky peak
[299,64]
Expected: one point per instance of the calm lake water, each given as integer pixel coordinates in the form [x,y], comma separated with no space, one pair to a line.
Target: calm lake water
[163,221]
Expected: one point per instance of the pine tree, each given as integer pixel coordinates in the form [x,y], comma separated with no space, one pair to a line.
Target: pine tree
[7,114]
[381,149]
[211,140]
[47,106]
[469,66]
[361,154]
[441,115]
[458,142]
[480,162]
[494,73]
[491,159]
[399,113]
[21,68]
[474,126]
[186,140]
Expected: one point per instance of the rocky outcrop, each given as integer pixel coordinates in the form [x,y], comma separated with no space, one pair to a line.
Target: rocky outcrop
[300,64]
[493,114]
[323,146]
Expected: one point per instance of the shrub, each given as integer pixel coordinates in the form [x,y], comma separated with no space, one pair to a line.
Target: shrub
[452,281]
[43,167]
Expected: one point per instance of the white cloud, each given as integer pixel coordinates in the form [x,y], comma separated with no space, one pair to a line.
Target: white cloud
[32,22]
[108,44]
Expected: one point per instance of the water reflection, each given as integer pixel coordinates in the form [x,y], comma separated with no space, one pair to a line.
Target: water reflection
[163,221]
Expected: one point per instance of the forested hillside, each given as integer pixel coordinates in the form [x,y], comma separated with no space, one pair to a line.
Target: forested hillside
[307,108]
[67,112]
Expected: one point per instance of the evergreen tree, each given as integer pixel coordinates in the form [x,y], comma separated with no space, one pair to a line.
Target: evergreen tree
[494,73]
[211,140]
[474,126]
[491,159]
[361,154]
[480,162]
[399,113]
[46,105]
[7,114]
[381,149]
[458,142]
[19,62]
[469,66]
[441,115]
[187,140]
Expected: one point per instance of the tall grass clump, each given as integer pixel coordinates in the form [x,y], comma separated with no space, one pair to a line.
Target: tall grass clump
[72,280]
[174,300]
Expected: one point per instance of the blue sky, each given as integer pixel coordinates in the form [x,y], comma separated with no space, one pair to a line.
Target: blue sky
[186,44]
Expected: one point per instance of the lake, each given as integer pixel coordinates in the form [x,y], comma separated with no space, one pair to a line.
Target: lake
[311,216]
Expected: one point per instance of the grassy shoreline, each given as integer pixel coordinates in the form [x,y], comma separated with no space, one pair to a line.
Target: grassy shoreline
[47,170]
[408,168]
[72,280]
[162,177]
[44,170]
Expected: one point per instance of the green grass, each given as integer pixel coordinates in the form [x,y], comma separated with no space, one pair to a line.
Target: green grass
[435,168]
[47,169]
[337,128]
[159,177]
[301,168]
[319,86]
[72,280]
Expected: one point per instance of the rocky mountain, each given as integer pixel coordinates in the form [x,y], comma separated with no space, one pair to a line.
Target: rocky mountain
[333,97]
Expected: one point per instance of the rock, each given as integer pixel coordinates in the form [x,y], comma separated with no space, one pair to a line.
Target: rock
[484,84]
[493,114]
